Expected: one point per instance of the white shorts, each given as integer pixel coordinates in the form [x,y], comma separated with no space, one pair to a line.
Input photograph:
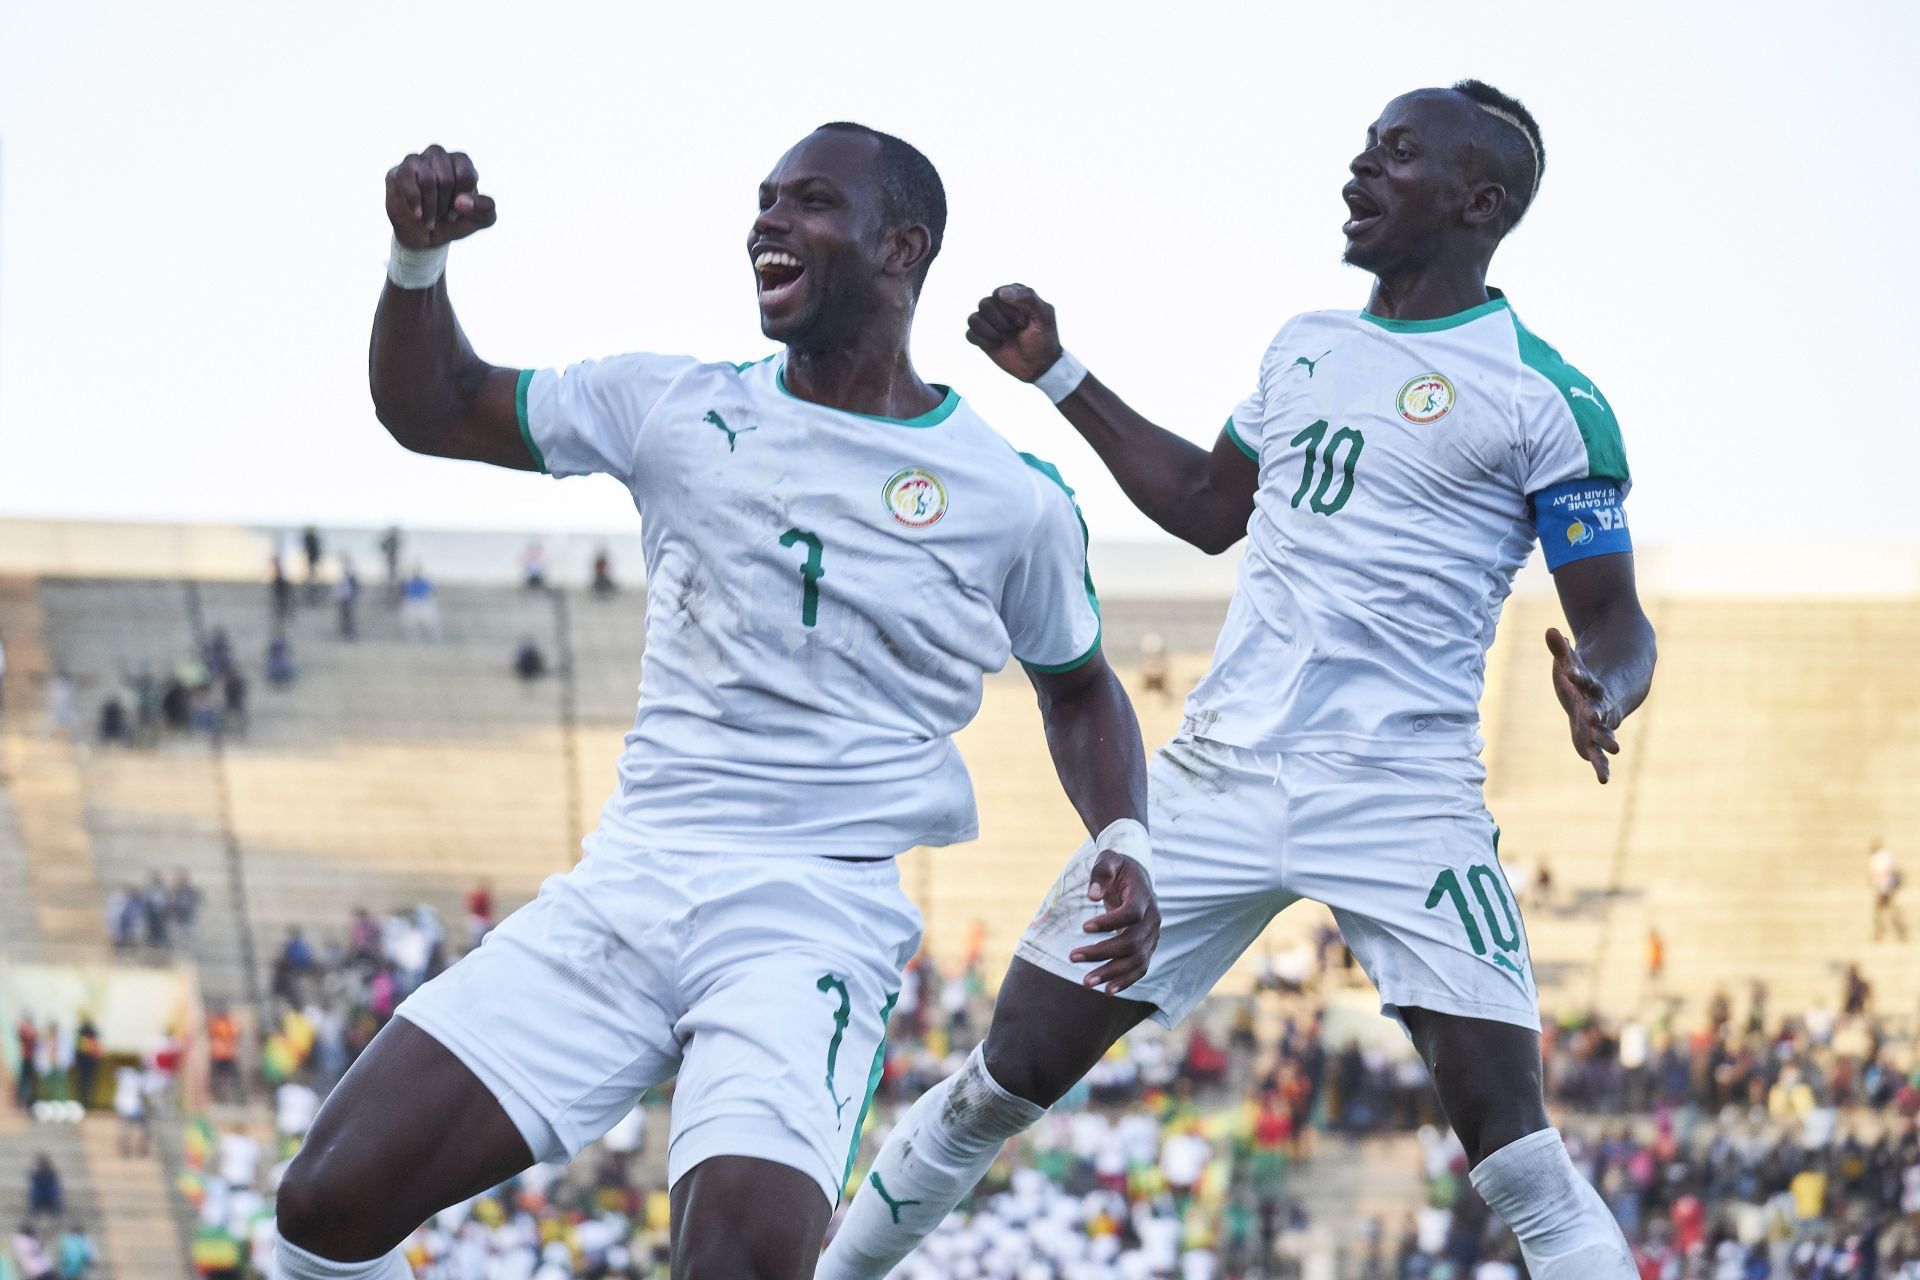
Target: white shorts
[763,982]
[1402,850]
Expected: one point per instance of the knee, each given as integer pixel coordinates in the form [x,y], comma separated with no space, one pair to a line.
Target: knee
[316,1210]
[1024,1075]
[742,1253]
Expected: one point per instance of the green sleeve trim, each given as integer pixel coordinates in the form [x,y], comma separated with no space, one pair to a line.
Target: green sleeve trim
[520,413]
[1599,430]
[1245,448]
[1052,473]
[1058,668]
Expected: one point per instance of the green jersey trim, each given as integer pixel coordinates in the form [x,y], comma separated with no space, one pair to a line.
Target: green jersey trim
[1599,430]
[1234,435]
[520,414]
[1052,473]
[931,418]
[1496,302]
[878,1069]
[742,368]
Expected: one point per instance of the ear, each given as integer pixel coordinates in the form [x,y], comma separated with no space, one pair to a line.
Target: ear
[908,249]
[1486,205]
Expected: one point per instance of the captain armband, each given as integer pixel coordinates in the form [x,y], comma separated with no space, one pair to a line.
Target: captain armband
[1580,518]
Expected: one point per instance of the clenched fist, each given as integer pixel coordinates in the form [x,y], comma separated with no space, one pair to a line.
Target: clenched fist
[433,199]
[1015,327]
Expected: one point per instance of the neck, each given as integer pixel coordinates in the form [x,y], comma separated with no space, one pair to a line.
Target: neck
[1429,291]
[872,373]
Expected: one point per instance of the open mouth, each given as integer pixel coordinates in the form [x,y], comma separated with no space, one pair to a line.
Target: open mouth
[1362,211]
[779,274]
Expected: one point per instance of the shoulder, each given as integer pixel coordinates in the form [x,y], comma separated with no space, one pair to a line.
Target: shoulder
[1307,325]
[1550,384]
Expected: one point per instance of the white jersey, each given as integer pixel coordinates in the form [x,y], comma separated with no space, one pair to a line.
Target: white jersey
[825,592]
[1404,469]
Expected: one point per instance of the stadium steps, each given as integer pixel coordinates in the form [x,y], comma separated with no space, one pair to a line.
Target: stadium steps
[21,1143]
[141,1237]
[45,790]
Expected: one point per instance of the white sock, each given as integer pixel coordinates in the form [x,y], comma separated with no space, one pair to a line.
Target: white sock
[1563,1226]
[934,1156]
[291,1262]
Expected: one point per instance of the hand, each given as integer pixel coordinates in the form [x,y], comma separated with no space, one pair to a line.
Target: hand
[432,199]
[1590,712]
[1015,327]
[1132,916]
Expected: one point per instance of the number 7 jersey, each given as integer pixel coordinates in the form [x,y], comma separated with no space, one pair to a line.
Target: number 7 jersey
[825,592]
[1406,468]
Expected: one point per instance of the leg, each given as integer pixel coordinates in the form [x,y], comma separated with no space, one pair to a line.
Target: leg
[1488,1077]
[1047,1032]
[740,1218]
[409,1131]
[1212,815]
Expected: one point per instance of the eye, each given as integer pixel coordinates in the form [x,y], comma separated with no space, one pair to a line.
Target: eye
[1402,152]
[815,202]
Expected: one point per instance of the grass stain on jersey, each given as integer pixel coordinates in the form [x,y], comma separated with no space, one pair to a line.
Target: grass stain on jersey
[713,418]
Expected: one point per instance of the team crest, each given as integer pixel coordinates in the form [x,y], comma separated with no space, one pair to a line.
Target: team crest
[915,497]
[1426,399]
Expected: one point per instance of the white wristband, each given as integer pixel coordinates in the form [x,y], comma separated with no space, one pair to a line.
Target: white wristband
[1127,837]
[416,268]
[1062,377]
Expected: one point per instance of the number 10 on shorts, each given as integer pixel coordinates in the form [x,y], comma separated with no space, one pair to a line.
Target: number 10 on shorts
[1504,926]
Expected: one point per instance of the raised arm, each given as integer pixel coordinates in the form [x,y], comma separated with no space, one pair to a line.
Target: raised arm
[1198,496]
[1095,743]
[1606,674]
[430,391]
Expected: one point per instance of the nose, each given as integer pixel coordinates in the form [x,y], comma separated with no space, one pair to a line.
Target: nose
[772,220]
[1364,164]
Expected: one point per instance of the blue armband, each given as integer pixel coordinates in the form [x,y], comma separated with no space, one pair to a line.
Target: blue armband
[1580,518]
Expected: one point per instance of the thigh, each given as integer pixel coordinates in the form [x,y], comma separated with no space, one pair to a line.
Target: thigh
[566,1010]
[1403,851]
[791,975]
[409,1131]
[1217,820]
[743,1218]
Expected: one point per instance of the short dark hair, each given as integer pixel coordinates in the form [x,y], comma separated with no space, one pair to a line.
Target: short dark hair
[1519,157]
[911,185]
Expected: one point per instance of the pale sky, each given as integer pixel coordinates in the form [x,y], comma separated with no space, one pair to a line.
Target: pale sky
[192,238]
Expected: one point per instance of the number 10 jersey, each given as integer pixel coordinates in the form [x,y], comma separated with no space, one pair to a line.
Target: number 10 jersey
[1404,469]
[825,593]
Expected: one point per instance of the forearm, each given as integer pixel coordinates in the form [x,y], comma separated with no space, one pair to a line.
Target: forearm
[1618,647]
[1097,752]
[1165,475]
[423,374]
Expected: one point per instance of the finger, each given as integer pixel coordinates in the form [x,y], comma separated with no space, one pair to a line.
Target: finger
[466,178]
[403,192]
[444,189]
[481,211]
[983,337]
[1117,977]
[1002,317]
[429,182]
[1120,944]
[1123,917]
[1557,645]
[1601,769]
[1018,296]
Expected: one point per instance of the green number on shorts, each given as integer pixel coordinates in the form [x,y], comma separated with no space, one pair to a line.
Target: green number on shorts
[1480,876]
[1311,437]
[1448,886]
[810,573]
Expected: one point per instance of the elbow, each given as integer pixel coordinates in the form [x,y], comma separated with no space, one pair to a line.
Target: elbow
[404,424]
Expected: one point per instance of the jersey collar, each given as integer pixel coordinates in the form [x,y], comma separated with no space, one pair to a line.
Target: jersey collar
[1496,301]
[931,418]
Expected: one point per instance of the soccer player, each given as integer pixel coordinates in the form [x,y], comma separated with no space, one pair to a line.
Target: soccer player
[1391,470]
[837,553]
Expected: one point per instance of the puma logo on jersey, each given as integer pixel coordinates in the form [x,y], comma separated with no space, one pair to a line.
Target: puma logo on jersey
[1302,360]
[713,418]
[1588,394]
